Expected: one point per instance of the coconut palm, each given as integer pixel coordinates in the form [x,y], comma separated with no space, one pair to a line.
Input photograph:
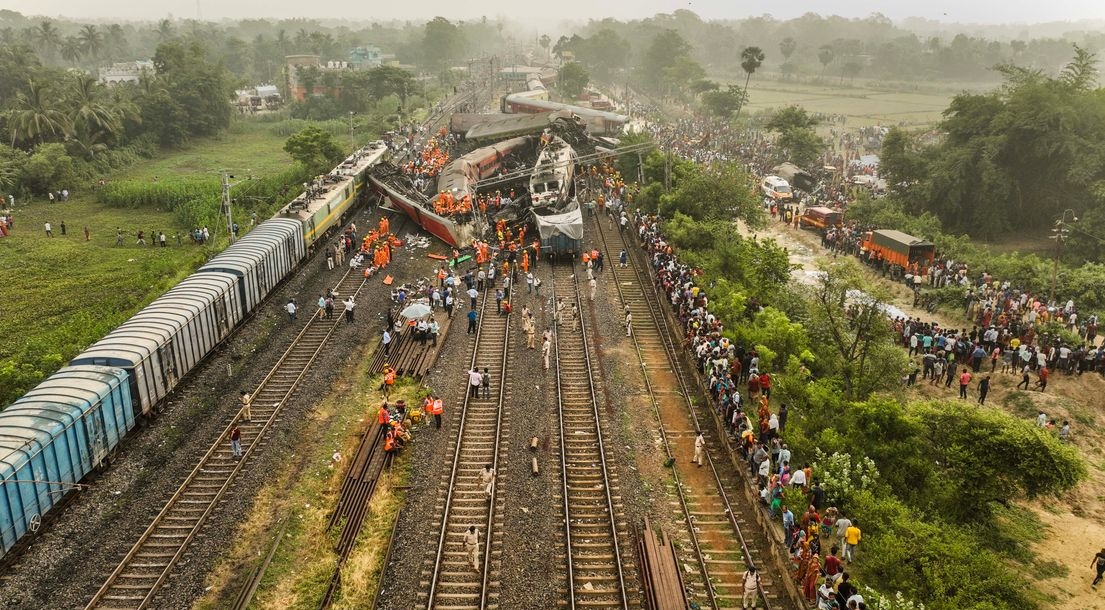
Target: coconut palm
[751,59]
[164,30]
[49,39]
[92,40]
[89,112]
[35,116]
[71,49]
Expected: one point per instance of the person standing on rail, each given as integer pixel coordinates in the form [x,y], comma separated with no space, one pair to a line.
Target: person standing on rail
[699,446]
[594,287]
[628,322]
[531,330]
[349,305]
[546,349]
[487,479]
[472,546]
[245,399]
[386,340]
[472,321]
[751,588]
[486,380]
[236,442]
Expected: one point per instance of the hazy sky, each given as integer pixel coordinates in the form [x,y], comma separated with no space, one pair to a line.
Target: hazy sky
[963,11]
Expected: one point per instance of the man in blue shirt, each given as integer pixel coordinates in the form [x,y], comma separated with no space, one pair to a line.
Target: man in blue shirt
[471,321]
[788,525]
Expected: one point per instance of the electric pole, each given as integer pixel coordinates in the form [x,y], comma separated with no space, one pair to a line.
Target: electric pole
[226,205]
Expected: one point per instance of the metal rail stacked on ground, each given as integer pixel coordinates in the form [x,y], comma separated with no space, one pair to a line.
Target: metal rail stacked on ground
[245,594]
[138,577]
[452,581]
[660,571]
[595,574]
[358,487]
[713,522]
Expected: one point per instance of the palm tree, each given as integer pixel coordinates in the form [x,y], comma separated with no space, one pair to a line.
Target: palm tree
[89,114]
[751,58]
[92,41]
[34,116]
[71,49]
[49,39]
[115,39]
[164,30]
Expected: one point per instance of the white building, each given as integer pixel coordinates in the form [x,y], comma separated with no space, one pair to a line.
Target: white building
[125,72]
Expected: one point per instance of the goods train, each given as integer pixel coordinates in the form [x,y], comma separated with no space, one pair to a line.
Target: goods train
[599,122]
[67,427]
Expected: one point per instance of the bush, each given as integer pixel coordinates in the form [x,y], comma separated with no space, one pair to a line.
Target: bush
[49,168]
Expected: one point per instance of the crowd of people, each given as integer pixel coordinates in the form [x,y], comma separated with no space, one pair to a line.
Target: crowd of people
[741,390]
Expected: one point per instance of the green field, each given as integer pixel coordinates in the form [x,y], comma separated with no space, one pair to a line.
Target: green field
[863,105]
[248,147]
[58,295]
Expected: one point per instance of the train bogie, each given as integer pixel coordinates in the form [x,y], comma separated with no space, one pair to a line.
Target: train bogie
[54,436]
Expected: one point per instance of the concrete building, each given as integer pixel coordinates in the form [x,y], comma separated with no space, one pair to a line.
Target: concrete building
[125,72]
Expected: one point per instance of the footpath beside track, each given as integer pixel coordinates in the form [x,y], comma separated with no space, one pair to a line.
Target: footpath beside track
[721,529]
[594,520]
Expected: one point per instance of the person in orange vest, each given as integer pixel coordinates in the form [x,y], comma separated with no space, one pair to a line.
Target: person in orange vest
[389,380]
[389,448]
[383,417]
[525,261]
[438,410]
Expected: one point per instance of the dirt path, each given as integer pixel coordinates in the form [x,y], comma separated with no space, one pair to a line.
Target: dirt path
[1073,526]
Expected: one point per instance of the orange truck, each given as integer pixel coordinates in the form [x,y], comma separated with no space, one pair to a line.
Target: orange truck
[899,248]
[820,218]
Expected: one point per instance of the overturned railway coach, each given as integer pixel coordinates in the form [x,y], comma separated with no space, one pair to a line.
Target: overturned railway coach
[69,425]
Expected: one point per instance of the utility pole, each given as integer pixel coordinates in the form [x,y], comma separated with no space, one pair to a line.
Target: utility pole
[1060,233]
[352,145]
[226,205]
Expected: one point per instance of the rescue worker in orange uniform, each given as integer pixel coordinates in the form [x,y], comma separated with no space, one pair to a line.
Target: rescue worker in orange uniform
[383,417]
[438,410]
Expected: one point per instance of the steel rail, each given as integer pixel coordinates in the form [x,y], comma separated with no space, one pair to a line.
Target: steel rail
[450,490]
[623,603]
[655,305]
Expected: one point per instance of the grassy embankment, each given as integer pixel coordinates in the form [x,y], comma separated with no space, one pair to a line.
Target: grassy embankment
[304,492]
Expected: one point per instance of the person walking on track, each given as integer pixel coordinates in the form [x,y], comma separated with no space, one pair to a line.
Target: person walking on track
[485,378]
[236,442]
[487,479]
[546,349]
[751,588]
[628,322]
[699,446]
[246,399]
[594,287]
[472,321]
[472,547]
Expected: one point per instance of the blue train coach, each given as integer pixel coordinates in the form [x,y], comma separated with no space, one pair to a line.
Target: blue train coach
[53,437]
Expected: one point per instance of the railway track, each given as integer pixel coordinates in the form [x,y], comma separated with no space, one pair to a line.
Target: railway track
[713,519]
[594,523]
[450,582]
[134,583]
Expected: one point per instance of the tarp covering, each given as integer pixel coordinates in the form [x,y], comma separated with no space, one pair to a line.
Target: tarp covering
[568,223]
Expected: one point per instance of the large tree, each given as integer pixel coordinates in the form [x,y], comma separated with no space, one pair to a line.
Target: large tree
[571,79]
[442,44]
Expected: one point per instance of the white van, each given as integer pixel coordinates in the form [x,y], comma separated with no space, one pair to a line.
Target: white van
[776,188]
